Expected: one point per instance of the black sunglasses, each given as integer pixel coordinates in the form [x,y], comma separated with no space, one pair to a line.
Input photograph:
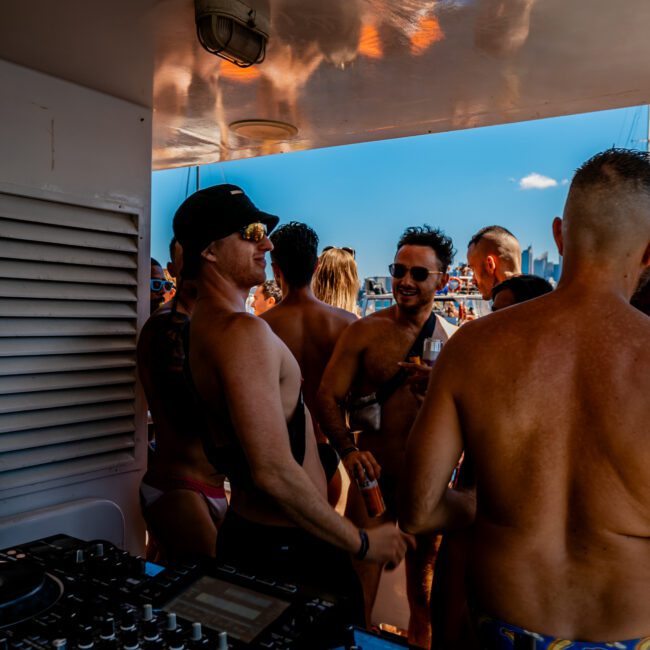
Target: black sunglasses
[158,285]
[418,273]
[254,232]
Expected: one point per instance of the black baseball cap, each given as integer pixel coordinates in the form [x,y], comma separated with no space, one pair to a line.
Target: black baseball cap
[214,213]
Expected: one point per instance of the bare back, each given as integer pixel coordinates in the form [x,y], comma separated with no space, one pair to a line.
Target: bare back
[556,418]
[310,329]
[178,427]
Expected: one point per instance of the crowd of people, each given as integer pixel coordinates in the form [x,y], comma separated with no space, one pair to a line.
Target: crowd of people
[513,471]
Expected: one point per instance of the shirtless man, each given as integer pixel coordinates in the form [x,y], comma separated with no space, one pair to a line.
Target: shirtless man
[366,356]
[555,421]
[494,255]
[279,520]
[308,327]
[267,295]
[183,499]
[159,286]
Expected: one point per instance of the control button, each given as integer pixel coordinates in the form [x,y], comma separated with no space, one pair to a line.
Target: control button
[225,568]
[266,581]
[267,644]
[246,576]
[285,586]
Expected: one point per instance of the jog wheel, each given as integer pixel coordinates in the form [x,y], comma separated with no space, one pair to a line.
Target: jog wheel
[25,591]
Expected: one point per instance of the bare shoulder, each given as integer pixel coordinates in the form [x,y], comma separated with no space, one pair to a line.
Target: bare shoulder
[369,326]
[237,334]
[335,315]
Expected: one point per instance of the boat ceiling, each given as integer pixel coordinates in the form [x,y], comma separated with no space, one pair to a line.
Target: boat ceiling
[341,71]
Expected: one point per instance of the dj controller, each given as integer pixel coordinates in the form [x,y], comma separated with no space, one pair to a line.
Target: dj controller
[67,594]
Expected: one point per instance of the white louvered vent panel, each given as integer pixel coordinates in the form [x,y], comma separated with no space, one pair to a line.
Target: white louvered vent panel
[68,322]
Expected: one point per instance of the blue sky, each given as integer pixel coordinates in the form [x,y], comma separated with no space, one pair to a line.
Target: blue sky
[364,195]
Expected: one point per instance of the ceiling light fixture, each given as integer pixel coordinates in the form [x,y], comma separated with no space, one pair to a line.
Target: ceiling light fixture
[264,130]
[232,30]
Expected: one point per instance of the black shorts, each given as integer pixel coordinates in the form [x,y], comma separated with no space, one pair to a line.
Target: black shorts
[292,555]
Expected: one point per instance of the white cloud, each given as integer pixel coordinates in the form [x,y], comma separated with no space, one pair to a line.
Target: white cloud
[536,181]
[564,181]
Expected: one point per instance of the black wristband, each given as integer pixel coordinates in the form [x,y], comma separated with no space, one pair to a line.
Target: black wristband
[347,451]
[365,545]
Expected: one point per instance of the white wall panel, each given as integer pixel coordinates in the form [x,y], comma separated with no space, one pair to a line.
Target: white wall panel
[74,250]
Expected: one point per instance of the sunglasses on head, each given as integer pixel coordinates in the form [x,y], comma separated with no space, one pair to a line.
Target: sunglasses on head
[418,273]
[159,285]
[253,232]
[347,249]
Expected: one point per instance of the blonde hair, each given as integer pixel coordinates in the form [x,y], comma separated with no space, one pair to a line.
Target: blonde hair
[336,281]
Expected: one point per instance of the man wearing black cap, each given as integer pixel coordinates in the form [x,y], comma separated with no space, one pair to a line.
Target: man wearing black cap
[279,521]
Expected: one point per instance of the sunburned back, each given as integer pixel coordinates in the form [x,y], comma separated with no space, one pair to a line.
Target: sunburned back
[557,423]
[310,329]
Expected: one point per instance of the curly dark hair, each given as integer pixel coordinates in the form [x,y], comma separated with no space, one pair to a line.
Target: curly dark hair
[295,251]
[434,237]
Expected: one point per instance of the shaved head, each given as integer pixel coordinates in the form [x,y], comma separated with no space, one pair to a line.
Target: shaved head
[499,241]
[608,208]
[494,255]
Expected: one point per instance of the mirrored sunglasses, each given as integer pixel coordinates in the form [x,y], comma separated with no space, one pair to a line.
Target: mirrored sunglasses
[160,285]
[418,273]
[253,232]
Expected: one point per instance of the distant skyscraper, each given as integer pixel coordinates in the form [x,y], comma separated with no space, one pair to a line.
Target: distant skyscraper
[539,265]
[557,270]
[527,260]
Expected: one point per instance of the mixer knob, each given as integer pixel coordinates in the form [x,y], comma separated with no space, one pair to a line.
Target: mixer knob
[147,612]
[222,642]
[59,644]
[129,620]
[85,640]
[98,550]
[197,633]
[171,622]
[130,640]
[150,630]
[175,640]
[107,629]
[79,556]
[139,567]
